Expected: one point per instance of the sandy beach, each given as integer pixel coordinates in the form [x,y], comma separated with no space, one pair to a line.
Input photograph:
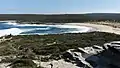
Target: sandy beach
[99,27]
[81,27]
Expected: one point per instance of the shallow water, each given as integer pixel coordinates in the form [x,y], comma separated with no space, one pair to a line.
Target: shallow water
[20,29]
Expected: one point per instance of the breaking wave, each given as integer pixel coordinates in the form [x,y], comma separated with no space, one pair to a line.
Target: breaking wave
[7,28]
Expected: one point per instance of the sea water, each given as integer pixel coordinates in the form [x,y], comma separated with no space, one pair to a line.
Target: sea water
[7,28]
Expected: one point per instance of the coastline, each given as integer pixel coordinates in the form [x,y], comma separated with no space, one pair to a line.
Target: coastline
[109,27]
[17,28]
[93,26]
[99,27]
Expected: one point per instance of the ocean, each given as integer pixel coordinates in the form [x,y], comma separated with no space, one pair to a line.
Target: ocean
[7,28]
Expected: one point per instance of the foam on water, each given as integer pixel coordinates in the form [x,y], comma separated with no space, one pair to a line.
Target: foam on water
[22,29]
[13,31]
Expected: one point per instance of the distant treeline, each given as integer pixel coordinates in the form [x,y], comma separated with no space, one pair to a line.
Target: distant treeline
[61,18]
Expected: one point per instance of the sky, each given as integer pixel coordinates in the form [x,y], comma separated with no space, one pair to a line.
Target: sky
[58,6]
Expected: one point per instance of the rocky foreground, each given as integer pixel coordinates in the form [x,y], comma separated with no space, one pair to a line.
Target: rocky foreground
[107,56]
[86,50]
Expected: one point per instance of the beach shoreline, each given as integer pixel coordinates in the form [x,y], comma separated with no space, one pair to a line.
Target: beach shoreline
[99,27]
[18,29]
[94,26]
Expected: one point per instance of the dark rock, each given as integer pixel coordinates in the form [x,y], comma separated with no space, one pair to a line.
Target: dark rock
[107,56]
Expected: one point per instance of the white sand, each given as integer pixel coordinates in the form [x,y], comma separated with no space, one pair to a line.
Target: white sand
[101,28]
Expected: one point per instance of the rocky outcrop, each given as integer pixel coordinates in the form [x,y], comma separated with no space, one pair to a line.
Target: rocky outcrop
[106,56]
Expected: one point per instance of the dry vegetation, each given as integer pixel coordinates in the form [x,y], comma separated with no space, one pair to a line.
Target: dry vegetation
[29,47]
